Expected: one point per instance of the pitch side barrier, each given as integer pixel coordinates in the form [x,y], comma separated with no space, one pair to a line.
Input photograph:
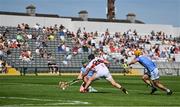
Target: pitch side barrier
[74,70]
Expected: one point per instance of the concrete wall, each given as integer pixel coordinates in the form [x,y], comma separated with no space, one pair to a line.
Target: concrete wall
[143,29]
[177,31]
[10,20]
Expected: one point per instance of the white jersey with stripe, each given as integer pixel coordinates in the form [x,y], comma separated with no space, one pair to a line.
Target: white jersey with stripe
[97,64]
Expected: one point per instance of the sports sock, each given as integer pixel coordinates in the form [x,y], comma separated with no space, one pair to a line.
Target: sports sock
[168,90]
[150,85]
[89,87]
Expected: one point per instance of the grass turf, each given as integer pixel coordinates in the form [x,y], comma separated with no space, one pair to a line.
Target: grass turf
[44,91]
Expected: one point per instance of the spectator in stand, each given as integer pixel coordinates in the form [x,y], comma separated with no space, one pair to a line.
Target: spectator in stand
[37,51]
[41,52]
[62,47]
[26,56]
[18,27]
[37,26]
[3,67]
[51,37]
[112,47]
[53,67]
[44,41]
[61,27]
[19,37]
[62,35]
[26,26]
[13,44]
[22,26]
[163,53]
[2,54]
[75,50]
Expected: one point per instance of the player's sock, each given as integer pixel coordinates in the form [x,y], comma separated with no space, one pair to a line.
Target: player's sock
[91,89]
[153,90]
[124,90]
[169,92]
[150,85]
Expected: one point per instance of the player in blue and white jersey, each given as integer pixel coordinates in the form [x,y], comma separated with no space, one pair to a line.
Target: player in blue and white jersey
[90,74]
[152,71]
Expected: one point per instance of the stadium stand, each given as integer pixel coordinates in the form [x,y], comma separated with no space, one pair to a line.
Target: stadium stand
[33,48]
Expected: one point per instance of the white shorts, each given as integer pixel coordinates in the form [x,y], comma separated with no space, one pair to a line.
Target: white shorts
[154,74]
[103,74]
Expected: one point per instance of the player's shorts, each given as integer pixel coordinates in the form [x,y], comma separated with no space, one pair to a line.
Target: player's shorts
[154,74]
[89,76]
[103,74]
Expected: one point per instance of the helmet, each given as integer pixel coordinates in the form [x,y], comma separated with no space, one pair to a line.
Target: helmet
[137,53]
[91,56]
[84,61]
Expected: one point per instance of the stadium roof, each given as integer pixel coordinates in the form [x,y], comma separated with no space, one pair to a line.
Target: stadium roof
[104,20]
[72,18]
[25,14]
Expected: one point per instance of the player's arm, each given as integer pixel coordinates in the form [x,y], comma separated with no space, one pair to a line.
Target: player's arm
[106,62]
[133,61]
[84,74]
[80,76]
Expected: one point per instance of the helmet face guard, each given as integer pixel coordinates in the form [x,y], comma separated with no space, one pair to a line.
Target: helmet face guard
[84,61]
[91,57]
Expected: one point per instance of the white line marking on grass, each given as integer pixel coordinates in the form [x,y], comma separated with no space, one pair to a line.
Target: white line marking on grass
[47,102]
[13,83]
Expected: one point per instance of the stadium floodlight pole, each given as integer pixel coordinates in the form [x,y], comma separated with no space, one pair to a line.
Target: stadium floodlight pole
[110,10]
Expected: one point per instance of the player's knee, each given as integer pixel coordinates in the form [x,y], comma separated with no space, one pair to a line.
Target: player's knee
[155,82]
[145,77]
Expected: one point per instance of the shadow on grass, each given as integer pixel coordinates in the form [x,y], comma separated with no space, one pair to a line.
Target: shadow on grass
[100,92]
[141,93]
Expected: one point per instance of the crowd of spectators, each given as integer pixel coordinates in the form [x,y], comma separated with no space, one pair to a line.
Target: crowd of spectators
[112,46]
[4,45]
[157,45]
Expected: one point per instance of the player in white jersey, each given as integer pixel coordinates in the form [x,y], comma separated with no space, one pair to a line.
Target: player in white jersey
[100,71]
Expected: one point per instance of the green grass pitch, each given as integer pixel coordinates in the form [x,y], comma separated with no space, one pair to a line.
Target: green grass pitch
[44,91]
